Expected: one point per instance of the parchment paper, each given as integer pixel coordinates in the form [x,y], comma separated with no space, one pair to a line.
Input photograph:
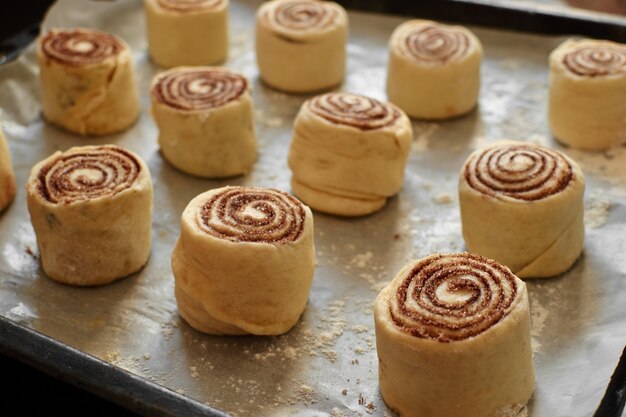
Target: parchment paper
[327,364]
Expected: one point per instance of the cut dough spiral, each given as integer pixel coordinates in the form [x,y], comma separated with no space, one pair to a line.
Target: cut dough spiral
[301,44]
[198,89]
[353,110]
[187,32]
[91,210]
[87,81]
[348,153]
[521,171]
[522,205]
[206,121]
[300,15]
[80,47]
[434,69]
[453,297]
[252,215]
[453,339]
[587,85]
[597,60]
[436,44]
[244,261]
[94,173]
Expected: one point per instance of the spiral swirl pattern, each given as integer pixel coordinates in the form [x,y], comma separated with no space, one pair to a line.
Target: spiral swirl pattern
[452,297]
[432,44]
[240,214]
[597,60]
[301,15]
[80,47]
[88,174]
[190,5]
[520,171]
[194,89]
[353,110]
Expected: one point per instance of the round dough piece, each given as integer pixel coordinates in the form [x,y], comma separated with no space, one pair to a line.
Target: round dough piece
[453,339]
[348,153]
[587,109]
[434,69]
[522,205]
[91,209]
[301,44]
[187,32]
[205,120]
[87,81]
[244,261]
[7,178]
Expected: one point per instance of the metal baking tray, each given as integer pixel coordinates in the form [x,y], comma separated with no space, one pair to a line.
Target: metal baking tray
[126,342]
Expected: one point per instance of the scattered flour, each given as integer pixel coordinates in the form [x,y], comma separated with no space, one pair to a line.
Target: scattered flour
[596,212]
[538,316]
[424,131]
[443,198]
[607,166]
[335,412]
[267,121]
[360,329]
[361,260]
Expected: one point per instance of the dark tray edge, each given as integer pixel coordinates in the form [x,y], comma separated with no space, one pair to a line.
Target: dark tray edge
[95,375]
[506,16]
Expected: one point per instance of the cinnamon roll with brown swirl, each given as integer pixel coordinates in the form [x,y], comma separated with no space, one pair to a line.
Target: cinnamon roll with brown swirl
[244,261]
[301,44]
[205,120]
[434,69]
[87,81]
[522,205]
[348,153]
[587,109]
[187,32]
[453,339]
[91,209]
[7,177]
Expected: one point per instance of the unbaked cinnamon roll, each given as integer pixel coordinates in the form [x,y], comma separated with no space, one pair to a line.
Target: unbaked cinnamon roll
[7,177]
[87,81]
[301,44]
[434,69]
[91,209]
[187,32]
[244,261]
[348,153]
[587,109]
[522,205]
[205,120]
[453,339]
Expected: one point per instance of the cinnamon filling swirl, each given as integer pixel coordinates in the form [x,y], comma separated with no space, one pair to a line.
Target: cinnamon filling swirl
[453,297]
[595,61]
[87,175]
[190,5]
[436,44]
[522,172]
[198,89]
[353,110]
[301,15]
[241,214]
[80,47]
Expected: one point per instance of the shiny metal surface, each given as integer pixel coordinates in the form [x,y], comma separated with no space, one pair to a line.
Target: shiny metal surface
[327,364]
